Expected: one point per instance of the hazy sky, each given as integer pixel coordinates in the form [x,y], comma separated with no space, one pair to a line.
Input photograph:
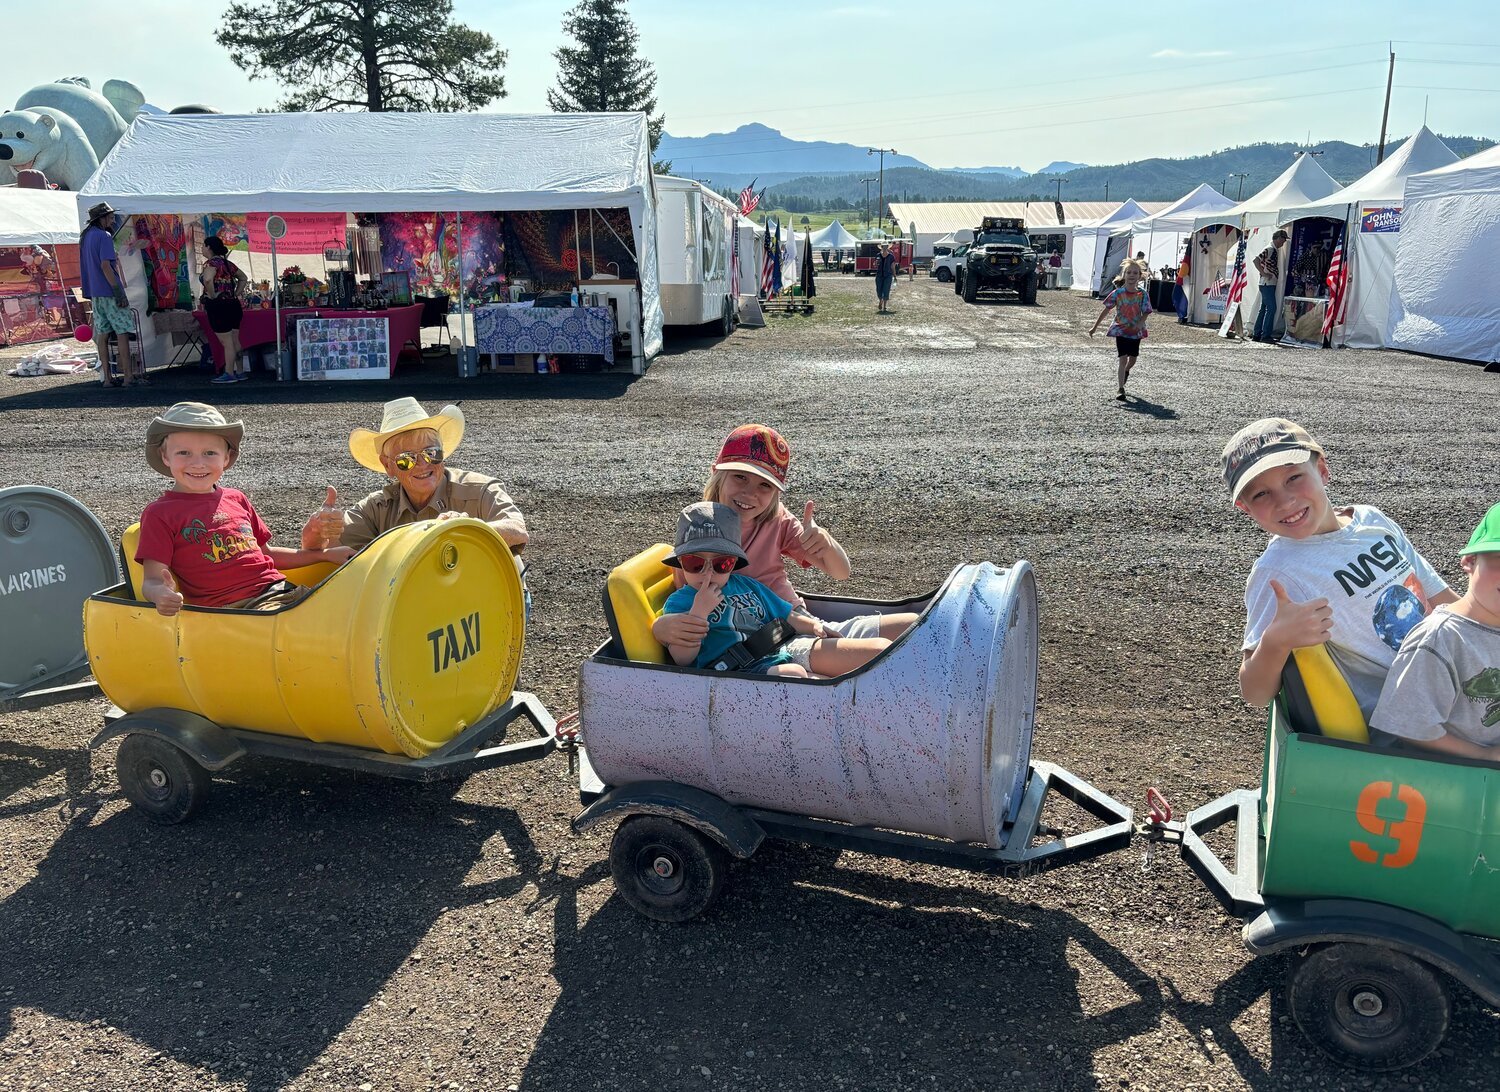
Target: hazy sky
[1060,81]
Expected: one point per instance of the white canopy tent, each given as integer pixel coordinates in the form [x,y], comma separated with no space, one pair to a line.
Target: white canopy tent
[1165,232]
[1090,244]
[1370,211]
[392,162]
[27,216]
[834,237]
[1445,302]
[1302,183]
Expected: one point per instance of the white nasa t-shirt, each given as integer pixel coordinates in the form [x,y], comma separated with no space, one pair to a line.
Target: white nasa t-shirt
[1374,579]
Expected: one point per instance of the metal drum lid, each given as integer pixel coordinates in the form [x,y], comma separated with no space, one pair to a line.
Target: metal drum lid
[53,555]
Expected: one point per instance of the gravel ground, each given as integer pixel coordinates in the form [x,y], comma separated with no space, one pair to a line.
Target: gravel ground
[325,930]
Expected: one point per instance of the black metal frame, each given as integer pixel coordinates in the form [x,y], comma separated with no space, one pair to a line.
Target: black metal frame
[741,830]
[216,747]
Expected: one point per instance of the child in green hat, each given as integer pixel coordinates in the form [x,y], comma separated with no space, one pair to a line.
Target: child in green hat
[1443,691]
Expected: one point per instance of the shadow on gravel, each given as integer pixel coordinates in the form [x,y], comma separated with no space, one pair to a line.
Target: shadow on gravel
[22,766]
[1148,409]
[243,942]
[807,975]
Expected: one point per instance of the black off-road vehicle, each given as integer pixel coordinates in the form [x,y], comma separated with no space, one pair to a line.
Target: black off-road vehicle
[1000,260]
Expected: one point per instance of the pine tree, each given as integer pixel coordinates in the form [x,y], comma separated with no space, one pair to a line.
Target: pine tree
[603,72]
[365,54]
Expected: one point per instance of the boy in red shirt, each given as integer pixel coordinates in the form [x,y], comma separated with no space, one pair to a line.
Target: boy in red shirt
[202,538]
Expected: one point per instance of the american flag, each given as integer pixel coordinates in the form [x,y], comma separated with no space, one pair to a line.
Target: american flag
[749,198]
[1338,290]
[767,262]
[779,257]
[1220,288]
[1240,279]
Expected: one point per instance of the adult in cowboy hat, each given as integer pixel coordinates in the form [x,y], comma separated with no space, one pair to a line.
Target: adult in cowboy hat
[412,448]
[104,285]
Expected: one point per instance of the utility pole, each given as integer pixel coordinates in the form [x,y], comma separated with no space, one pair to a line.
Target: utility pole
[1106,189]
[1240,193]
[1061,182]
[1386,113]
[1224,185]
[883,152]
[867,182]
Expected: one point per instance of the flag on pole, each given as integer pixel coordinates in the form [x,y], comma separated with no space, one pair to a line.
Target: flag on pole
[778,256]
[749,199]
[1240,279]
[1338,290]
[734,259]
[765,261]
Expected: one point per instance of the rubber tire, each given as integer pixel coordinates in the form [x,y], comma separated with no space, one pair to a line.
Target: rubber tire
[160,779]
[1028,291]
[697,862]
[1414,1013]
[971,290]
[958,283]
[726,323]
[944,275]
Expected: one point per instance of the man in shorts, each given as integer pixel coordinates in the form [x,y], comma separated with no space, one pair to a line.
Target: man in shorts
[104,284]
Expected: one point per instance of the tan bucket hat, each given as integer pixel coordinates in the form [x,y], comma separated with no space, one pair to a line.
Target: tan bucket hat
[404,415]
[191,417]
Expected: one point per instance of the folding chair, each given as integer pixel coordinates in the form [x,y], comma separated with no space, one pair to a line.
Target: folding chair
[434,313]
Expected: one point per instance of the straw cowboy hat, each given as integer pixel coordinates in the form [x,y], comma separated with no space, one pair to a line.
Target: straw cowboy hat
[191,417]
[405,415]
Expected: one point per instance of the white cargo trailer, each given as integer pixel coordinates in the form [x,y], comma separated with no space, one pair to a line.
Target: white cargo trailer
[694,248]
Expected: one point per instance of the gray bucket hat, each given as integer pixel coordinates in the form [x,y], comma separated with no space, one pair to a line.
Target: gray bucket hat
[708,526]
[191,417]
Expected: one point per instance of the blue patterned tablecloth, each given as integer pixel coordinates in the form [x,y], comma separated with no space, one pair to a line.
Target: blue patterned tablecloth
[501,329]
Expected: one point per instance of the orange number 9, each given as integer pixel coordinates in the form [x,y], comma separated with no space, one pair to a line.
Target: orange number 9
[1407,831]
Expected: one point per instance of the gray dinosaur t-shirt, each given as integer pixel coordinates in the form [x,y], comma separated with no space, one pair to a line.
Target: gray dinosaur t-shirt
[1446,679]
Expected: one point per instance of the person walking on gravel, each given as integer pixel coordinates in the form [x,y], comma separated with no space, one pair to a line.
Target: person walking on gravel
[885,276]
[1132,305]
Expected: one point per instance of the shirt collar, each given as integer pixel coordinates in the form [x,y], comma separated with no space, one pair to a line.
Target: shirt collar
[438,502]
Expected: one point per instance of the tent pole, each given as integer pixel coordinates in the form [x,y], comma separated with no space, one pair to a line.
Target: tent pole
[463,326]
[276,291]
[577,257]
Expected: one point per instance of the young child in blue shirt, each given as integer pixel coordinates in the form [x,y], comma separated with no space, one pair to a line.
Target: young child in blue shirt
[707,550]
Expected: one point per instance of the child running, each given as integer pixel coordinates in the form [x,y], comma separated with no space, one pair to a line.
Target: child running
[203,538]
[1131,305]
[749,476]
[740,614]
[1347,578]
[1443,692]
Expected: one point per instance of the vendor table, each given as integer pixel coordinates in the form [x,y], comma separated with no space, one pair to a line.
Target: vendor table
[508,328]
[259,327]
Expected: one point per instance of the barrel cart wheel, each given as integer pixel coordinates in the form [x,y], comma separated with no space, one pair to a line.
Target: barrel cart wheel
[160,779]
[1368,1006]
[664,869]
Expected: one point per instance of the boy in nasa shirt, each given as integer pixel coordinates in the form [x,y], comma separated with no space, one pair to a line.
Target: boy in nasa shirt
[1345,578]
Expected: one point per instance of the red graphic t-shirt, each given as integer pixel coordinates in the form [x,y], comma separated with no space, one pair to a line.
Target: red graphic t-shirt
[212,542]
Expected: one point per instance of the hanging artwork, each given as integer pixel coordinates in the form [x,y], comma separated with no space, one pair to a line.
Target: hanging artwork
[228,226]
[550,245]
[425,245]
[162,242]
[34,304]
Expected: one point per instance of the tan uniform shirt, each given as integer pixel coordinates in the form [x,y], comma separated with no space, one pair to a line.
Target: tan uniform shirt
[459,491]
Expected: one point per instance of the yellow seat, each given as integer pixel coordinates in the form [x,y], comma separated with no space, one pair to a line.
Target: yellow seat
[309,576]
[633,598]
[1318,697]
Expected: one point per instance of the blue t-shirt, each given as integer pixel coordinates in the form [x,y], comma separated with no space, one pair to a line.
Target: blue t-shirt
[98,246]
[748,604]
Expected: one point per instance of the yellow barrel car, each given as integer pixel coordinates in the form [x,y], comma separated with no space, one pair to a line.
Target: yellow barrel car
[403,662]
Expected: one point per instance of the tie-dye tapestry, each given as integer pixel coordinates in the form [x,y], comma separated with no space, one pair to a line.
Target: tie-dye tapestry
[550,245]
[425,245]
[163,246]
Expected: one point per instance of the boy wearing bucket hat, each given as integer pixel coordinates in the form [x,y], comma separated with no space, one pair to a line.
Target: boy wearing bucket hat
[749,627]
[1443,692]
[1347,578]
[413,447]
[204,544]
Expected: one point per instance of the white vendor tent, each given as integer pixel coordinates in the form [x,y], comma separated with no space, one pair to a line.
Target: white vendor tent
[392,162]
[1368,211]
[27,216]
[1255,218]
[1445,302]
[834,237]
[1090,244]
[1161,236]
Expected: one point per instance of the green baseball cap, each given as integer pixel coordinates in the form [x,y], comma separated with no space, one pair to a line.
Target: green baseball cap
[1486,537]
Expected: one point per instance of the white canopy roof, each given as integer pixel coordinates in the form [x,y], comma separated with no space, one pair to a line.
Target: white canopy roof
[1127,211]
[1181,216]
[1300,184]
[362,162]
[1479,174]
[833,236]
[37,216]
[1425,151]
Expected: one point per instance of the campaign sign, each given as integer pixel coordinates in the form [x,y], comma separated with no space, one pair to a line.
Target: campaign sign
[1379,218]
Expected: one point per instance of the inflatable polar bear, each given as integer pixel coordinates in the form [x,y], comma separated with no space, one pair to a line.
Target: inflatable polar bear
[64,129]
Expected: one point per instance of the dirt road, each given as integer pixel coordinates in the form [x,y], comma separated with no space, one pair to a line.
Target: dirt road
[323,930]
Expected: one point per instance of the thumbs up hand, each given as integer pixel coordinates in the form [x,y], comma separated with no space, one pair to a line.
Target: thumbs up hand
[168,599]
[815,541]
[1298,624]
[324,527]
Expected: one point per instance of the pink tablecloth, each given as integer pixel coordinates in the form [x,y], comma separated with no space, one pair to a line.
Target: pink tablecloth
[259,327]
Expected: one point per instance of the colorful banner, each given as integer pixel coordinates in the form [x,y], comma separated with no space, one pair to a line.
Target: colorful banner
[1379,219]
[550,245]
[306,232]
[162,242]
[425,245]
